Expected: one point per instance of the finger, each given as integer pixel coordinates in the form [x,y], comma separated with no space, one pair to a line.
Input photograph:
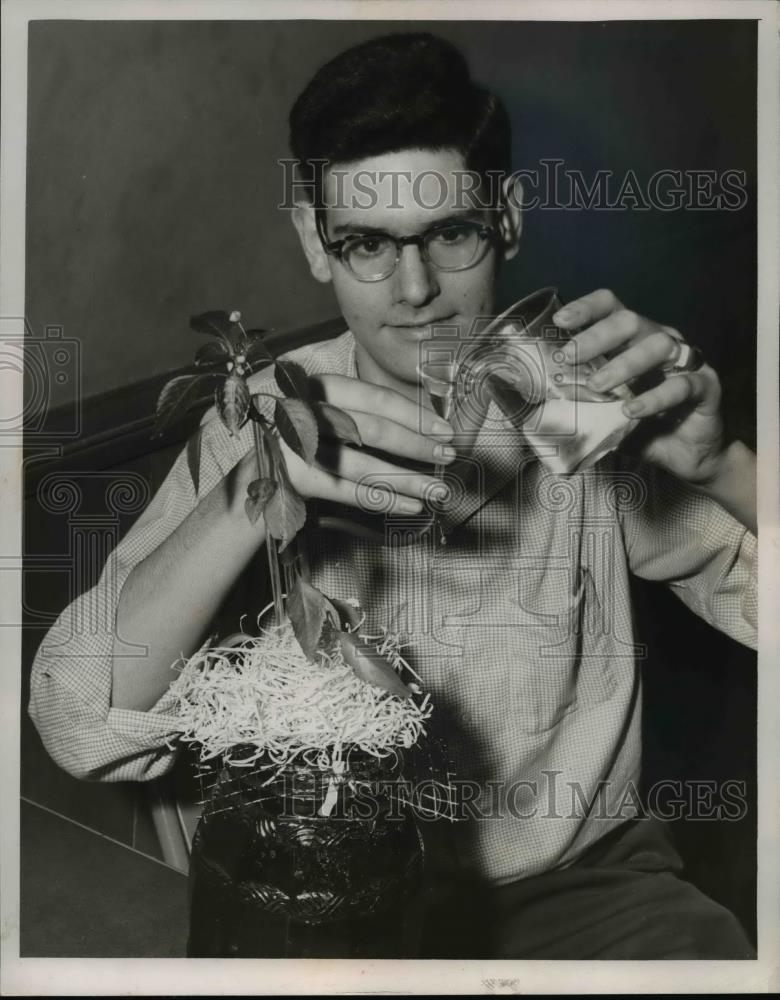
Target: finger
[353,394]
[608,334]
[653,351]
[339,462]
[360,467]
[687,387]
[587,309]
[376,497]
[329,484]
[396,439]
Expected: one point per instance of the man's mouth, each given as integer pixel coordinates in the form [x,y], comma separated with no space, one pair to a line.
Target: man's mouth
[417,325]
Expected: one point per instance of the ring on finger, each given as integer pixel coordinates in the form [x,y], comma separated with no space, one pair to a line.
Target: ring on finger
[687,359]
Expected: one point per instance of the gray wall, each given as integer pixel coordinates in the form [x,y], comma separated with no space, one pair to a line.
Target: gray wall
[152,176]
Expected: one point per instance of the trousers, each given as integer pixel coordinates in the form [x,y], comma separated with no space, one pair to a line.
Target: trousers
[624,898]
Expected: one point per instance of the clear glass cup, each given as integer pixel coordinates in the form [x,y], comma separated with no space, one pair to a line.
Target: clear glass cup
[517,362]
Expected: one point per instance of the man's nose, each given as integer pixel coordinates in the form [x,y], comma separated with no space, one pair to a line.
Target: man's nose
[415,279]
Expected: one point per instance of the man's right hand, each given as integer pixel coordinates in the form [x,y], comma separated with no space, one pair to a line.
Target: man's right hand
[348,474]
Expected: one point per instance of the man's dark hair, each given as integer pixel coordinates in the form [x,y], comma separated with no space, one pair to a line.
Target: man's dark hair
[409,90]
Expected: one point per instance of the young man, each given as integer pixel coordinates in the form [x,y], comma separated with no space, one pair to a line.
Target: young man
[522,622]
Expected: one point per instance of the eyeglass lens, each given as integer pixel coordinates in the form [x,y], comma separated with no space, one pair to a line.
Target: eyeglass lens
[449,248]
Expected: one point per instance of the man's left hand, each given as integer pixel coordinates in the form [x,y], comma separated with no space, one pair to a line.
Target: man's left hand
[688,440]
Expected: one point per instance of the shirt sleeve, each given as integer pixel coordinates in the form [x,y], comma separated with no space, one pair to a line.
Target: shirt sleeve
[676,534]
[70,687]
[71,679]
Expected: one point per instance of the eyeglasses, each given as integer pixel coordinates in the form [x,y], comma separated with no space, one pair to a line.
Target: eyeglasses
[449,246]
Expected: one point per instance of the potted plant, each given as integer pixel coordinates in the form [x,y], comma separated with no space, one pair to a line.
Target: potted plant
[304,847]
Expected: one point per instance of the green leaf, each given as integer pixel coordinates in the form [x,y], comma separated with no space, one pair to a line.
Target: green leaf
[232,401]
[193,457]
[257,354]
[350,616]
[285,512]
[292,379]
[290,557]
[212,353]
[259,492]
[215,323]
[173,397]
[308,609]
[338,423]
[372,668]
[331,635]
[298,427]
[285,515]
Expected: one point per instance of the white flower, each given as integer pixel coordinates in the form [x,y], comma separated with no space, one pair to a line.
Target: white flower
[235,316]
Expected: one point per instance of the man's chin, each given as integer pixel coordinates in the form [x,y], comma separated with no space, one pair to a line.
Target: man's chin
[407,347]
[391,367]
[405,371]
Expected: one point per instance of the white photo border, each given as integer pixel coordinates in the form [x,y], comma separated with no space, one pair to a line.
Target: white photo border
[65,977]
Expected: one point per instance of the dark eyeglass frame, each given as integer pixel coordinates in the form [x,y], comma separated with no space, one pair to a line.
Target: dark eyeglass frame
[335,248]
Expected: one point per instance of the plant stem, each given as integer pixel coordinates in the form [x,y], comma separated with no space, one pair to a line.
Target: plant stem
[265,470]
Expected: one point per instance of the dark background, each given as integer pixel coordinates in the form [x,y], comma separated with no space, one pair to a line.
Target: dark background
[152,188]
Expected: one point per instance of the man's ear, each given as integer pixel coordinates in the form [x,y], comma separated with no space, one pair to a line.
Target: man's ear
[306,227]
[511,219]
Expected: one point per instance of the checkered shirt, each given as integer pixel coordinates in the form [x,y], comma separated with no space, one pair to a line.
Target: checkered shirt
[520,627]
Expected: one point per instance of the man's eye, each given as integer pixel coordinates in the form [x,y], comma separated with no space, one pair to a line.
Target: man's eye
[451,235]
[370,246]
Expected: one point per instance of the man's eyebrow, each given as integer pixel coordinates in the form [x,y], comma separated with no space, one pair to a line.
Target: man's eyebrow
[361,229]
